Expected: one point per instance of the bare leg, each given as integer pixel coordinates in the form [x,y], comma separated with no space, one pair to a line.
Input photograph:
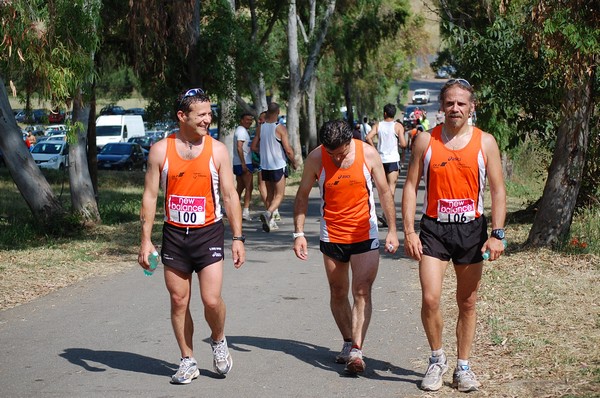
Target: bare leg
[339,285]
[431,275]
[211,282]
[364,271]
[468,278]
[179,285]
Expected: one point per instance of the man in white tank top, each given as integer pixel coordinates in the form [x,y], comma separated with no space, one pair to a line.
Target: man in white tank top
[390,137]
[275,153]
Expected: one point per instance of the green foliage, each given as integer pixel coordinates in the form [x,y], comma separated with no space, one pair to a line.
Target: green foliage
[48,47]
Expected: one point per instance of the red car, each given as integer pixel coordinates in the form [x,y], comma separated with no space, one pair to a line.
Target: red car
[56,116]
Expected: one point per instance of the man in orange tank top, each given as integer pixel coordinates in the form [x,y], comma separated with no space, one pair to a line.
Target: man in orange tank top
[195,172]
[345,168]
[454,160]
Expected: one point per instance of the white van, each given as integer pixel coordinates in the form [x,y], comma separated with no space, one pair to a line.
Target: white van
[118,128]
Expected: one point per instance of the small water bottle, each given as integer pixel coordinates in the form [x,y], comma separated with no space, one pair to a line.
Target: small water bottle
[486,255]
[153,260]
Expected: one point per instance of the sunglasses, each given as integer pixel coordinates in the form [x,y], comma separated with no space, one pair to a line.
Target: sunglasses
[462,82]
[191,93]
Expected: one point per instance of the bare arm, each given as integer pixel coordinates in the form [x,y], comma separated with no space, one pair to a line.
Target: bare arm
[231,200]
[372,133]
[412,243]
[255,146]
[240,151]
[312,165]
[385,195]
[497,191]
[289,152]
[399,128]
[149,200]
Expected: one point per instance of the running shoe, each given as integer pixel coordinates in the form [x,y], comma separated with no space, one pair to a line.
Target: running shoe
[355,362]
[464,379]
[433,379]
[382,222]
[276,215]
[246,215]
[273,225]
[265,218]
[222,361]
[344,355]
[188,371]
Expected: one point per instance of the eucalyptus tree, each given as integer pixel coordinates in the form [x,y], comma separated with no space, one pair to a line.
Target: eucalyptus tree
[55,42]
[534,64]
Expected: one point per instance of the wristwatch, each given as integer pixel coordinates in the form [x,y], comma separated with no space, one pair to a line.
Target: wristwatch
[498,234]
[241,237]
[297,234]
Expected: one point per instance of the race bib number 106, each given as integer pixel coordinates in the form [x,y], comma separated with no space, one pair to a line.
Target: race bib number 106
[456,210]
[187,210]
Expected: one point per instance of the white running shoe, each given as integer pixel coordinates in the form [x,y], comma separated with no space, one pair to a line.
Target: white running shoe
[222,361]
[464,379]
[433,379]
[188,371]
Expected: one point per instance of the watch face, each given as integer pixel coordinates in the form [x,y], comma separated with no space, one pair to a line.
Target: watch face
[498,233]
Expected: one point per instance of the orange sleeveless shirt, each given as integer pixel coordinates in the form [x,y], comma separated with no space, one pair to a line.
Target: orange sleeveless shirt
[347,201]
[191,187]
[454,179]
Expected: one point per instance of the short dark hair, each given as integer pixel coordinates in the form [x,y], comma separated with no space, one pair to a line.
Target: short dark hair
[246,114]
[273,109]
[185,101]
[335,133]
[389,110]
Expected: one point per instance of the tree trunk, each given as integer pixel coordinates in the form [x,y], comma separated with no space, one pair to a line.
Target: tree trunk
[83,198]
[30,181]
[227,117]
[293,108]
[312,141]
[552,222]
[348,101]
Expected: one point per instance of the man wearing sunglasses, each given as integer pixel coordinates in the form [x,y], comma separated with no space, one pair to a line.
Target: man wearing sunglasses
[454,159]
[195,174]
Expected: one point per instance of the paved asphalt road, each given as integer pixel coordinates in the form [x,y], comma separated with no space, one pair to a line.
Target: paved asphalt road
[111,336]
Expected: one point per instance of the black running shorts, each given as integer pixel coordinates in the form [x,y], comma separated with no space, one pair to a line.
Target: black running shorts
[390,167]
[461,242]
[274,175]
[192,249]
[343,251]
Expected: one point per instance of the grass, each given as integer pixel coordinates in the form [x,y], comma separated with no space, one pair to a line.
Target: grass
[539,321]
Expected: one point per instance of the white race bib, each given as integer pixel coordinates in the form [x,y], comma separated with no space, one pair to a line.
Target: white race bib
[456,210]
[187,210]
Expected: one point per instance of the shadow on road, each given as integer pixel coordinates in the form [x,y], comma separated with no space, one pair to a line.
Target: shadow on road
[321,357]
[118,360]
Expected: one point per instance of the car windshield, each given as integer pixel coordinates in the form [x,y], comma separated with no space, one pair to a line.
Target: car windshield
[409,110]
[108,131]
[113,149]
[420,92]
[47,148]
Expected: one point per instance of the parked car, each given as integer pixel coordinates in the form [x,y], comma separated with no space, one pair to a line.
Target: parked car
[51,154]
[112,109]
[145,142]
[136,111]
[122,156]
[56,116]
[159,134]
[35,116]
[420,96]
[56,129]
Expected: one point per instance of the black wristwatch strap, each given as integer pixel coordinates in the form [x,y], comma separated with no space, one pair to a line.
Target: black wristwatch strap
[241,238]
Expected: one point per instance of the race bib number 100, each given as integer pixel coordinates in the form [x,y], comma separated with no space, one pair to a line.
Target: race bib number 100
[456,210]
[187,210]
